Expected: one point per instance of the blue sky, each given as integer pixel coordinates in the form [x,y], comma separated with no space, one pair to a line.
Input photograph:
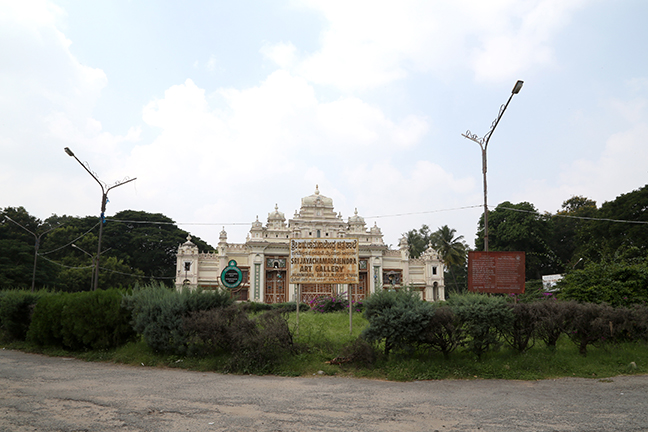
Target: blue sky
[224,109]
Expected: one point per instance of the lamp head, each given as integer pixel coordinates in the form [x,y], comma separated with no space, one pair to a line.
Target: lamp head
[69,152]
[517,87]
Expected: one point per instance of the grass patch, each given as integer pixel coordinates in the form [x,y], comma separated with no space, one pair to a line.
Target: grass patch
[322,337]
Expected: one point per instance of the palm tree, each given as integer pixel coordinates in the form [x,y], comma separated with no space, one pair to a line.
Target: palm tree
[452,250]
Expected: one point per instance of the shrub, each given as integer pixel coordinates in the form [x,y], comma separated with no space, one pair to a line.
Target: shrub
[521,332]
[617,283]
[444,332]
[590,325]
[16,308]
[254,307]
[553,320]
[46,325]
[359,353]
[158,312]
[334,303]
[397,317]
[254,345]
[638,326]
[85,320]
[483,318]
[289,307]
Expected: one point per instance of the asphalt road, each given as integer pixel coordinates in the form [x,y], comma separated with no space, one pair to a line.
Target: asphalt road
[39,393]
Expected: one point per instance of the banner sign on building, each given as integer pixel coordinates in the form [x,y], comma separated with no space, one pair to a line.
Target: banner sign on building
[496,272]
[333,261]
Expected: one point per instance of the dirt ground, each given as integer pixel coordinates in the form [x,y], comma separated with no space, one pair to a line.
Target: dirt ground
[39,393]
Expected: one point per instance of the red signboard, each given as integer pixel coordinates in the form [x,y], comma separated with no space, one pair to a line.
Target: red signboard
[496,272]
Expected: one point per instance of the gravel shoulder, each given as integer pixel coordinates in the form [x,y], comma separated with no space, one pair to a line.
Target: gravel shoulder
[39,393]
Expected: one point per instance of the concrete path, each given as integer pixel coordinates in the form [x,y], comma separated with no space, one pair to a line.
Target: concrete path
[39,393]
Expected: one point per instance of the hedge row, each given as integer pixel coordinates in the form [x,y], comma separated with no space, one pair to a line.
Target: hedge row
[16,308]
[86,320]
[482,323]
[78,321]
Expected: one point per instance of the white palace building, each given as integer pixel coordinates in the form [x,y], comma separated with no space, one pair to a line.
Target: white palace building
[264,258]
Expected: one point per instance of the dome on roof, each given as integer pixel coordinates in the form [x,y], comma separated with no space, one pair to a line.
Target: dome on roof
[355,219]
[276,215]
[317,200]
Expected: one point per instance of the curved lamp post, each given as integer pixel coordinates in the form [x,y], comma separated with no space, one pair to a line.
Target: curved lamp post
[483,144]
[37,239]
[104,200]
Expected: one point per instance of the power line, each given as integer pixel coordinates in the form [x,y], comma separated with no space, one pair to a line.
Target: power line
[549,215]
[389,216]
[422,212]
[82,235]
[106,269]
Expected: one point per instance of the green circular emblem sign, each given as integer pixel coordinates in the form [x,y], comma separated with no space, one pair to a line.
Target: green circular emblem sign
[231,276]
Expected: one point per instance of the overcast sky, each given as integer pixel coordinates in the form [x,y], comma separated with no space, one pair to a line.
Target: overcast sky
[222,109]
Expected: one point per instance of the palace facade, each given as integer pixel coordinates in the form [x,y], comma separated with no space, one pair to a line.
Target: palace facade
[264,258]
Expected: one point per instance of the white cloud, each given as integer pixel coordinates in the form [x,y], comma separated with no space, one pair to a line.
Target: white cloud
[263,143]
[283,54]
[47,99]
[620,168]
[370,43]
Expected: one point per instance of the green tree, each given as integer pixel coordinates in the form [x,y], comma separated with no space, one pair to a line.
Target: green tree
[567,230]
[617,282]
[608,236]
[519,227]
[452,251]
[147,241]
[418,240]
[17,246]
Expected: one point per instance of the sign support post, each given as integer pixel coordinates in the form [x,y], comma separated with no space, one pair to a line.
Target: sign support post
[297,303]
[350,309]
[319,261]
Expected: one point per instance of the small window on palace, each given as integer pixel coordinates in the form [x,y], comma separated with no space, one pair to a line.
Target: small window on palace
[434,270]
[326,234]
[187,266]
[319,233]
[310,233]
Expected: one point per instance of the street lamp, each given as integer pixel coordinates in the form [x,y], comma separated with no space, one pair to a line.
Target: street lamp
[104,200]
[483,144]
[37,239]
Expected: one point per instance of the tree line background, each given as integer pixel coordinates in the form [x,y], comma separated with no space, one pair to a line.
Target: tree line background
[591,244]
[136,247]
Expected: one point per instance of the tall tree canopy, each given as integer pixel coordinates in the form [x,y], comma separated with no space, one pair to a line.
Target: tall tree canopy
[621,228]
[453,252]
[418,240]
[519,227]
[136,246]
[567,230]
[148,241]
[451,248]
[18,234]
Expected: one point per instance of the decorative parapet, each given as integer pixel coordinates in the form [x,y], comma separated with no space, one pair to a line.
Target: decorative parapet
[208,255]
